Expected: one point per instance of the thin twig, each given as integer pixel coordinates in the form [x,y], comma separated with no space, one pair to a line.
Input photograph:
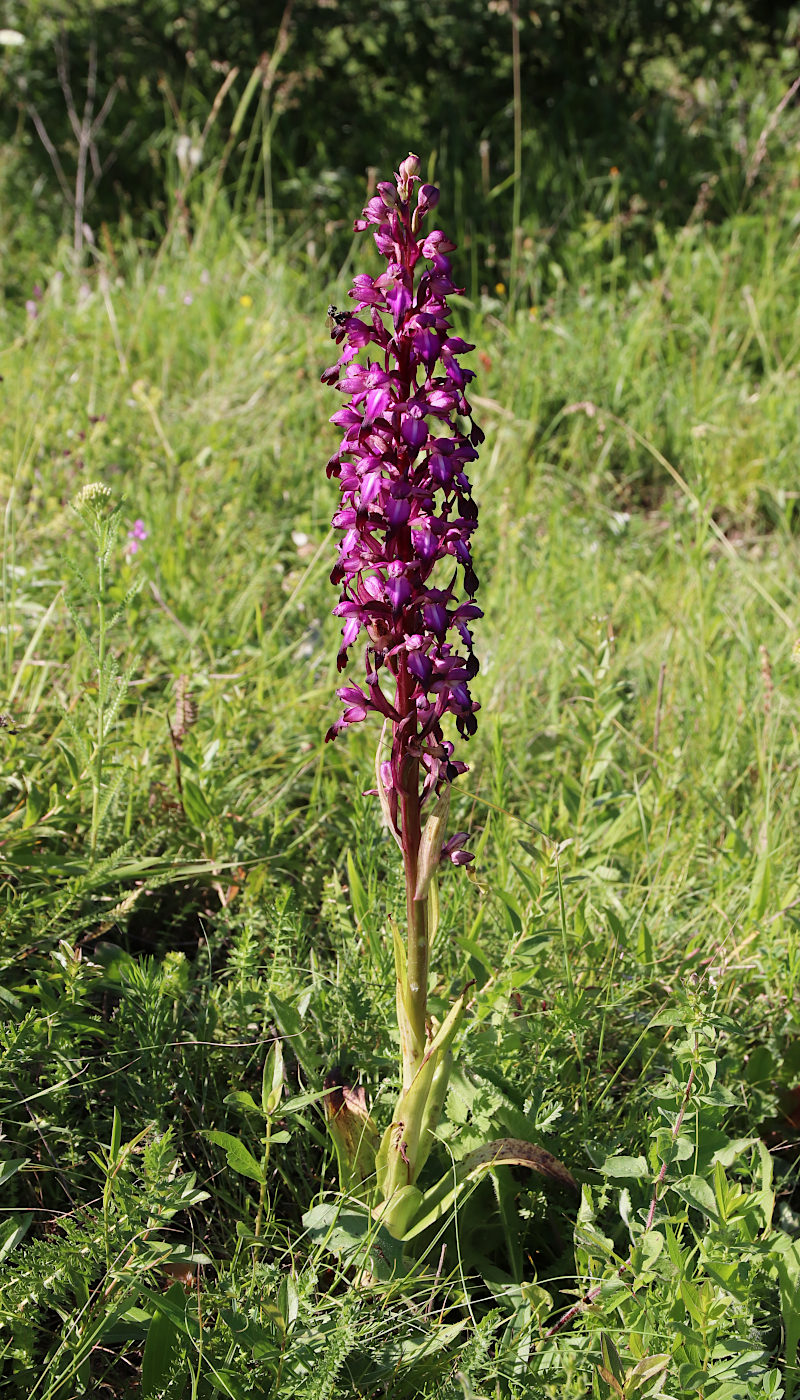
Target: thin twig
[85,128]
[41,132]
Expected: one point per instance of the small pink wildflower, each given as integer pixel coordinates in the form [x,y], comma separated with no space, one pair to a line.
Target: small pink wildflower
[136,535]
[32,304]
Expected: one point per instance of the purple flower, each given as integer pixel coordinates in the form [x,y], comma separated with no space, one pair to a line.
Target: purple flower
[453,849]
[32,305]
[406,505]
[136,535]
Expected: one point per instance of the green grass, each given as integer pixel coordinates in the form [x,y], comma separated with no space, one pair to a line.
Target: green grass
[631,930]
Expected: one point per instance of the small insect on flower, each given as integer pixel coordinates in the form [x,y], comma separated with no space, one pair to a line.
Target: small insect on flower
[336,317]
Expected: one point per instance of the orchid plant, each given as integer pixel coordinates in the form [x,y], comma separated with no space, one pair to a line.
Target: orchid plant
[408,516]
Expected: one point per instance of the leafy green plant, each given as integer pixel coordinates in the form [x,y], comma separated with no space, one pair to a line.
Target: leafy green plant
[634,779]
[91,741]
[402,529]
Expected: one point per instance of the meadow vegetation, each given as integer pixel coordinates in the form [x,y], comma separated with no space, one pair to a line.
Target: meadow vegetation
[195,894]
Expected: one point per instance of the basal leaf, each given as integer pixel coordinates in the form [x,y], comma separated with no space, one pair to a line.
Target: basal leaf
[355,1238]
[161,1346]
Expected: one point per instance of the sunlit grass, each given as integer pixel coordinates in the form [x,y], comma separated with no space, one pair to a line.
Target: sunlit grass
[632,793]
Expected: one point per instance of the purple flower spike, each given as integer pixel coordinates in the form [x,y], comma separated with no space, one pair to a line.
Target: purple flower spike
[406,502]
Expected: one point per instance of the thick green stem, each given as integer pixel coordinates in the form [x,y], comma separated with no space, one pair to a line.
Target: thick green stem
[417,911]
[414,994]
[262,1193]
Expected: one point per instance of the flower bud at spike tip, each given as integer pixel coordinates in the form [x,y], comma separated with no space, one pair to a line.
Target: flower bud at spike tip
[408,172]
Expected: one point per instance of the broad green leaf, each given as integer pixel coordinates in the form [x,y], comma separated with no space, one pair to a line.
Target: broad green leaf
[228,1383]
[239,1158]
[697,1192]
[650,1371]
[35,806]
[677,1017]
[512,912]
[787,1263]
[355,1238]
[734,1148]
[400,1142]
[162,1344]
[289,1299]
[413,1345]
[12,1231]
[298,1101]
[246,1235]
[612,1362]
[434,1107]
[472,948]
[668,1149]
[10,1168]
[647,1250]
[173,1305]
[241,1099]
[441,1197]
[195,804]
[626,1168]
[538,1299]
[290,1024]
[272,1079]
